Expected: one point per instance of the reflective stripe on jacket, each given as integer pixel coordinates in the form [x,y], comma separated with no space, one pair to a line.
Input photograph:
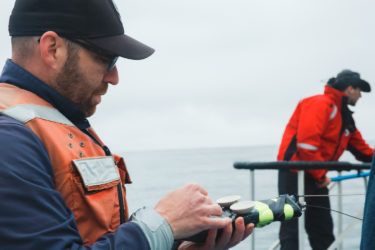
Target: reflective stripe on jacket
[320,129]
[90,182]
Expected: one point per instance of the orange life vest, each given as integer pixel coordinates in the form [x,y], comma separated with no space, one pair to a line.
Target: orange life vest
[83,174]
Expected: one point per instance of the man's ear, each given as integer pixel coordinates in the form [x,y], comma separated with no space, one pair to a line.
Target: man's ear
[349,89]
[53,50]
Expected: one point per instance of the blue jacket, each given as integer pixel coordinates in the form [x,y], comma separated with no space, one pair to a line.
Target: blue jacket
[368,226]
[33,214]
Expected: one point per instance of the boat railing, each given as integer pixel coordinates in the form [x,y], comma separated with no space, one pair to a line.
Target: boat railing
[301,166]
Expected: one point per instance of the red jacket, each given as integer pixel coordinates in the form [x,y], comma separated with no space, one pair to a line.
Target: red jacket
[320,129]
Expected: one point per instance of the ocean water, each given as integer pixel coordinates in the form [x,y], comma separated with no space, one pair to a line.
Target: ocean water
[154,173]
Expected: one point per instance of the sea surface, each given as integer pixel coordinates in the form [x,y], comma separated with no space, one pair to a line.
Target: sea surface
[154,173]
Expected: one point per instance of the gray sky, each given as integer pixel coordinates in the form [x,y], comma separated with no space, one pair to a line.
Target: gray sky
[228,72]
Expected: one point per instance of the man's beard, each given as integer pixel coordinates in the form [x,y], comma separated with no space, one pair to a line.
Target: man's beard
[352,102]
[72,84]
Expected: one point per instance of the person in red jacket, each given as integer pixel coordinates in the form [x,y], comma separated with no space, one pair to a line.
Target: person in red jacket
[320,129]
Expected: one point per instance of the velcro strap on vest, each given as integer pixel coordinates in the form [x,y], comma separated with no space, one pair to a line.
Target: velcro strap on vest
[28,112]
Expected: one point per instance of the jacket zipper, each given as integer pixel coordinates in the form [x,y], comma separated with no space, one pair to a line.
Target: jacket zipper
[119,189]
[337,147]
[342,130]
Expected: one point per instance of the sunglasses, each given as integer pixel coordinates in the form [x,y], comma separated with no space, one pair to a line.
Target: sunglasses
[100,54]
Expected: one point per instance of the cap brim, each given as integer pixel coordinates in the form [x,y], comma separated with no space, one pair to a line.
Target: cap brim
[124,46]
[364,86]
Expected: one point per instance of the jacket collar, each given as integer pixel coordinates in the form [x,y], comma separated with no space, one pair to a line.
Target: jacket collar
[337,96]
[16,75]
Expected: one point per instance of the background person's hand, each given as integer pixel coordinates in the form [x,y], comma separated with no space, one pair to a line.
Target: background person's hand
[188,211]
[326,181]
[226,240]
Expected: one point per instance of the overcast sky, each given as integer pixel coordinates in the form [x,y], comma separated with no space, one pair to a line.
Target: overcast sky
[228,72]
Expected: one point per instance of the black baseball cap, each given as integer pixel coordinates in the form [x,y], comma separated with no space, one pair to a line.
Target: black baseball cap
[94,21]
[349,78]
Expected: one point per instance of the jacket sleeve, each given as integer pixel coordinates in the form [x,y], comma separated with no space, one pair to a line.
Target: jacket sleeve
[359,148]
[313,120]
[33,214]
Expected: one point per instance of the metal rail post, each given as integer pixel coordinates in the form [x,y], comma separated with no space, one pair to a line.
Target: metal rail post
[339,206]
[252,197]
[301,220]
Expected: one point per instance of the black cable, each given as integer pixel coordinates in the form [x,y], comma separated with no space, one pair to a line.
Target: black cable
[330,209]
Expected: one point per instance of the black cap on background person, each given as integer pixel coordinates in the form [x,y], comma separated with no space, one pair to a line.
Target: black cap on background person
[95,23]
[348,78]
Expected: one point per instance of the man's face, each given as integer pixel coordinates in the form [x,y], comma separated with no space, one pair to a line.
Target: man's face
[353,95]
[84,79]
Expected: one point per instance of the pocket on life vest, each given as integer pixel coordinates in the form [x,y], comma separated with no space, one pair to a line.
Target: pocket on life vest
[97,173]
[95,196]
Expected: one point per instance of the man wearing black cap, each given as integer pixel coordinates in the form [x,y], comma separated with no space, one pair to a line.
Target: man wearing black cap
[320,129]
[60,186]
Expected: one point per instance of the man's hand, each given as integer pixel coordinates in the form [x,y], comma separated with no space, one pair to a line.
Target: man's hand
[188,211]
[326,181]
[226,240]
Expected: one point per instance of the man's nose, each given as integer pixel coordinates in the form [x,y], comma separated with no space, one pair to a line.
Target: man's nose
[111,76]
